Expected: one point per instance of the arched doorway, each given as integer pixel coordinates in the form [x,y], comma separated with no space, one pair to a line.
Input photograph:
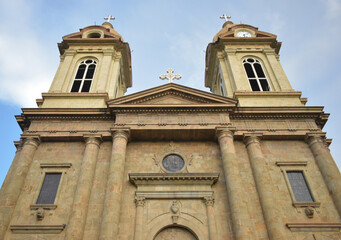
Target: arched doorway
[175,233]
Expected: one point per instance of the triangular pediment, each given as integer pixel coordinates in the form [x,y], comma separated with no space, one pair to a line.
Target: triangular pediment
[172,95]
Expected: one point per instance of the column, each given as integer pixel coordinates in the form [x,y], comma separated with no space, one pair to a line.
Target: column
[75,227]
[11,193]
[263,181]
[234,186]
[327,166]
[112,201]
[139,201]
[18,145]
[212,228]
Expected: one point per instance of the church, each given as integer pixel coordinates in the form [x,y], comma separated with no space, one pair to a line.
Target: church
[246,161]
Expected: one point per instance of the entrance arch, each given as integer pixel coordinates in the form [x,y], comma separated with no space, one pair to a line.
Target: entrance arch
[175,233]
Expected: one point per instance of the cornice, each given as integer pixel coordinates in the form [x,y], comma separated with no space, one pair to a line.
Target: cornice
[179,178]
[169,109]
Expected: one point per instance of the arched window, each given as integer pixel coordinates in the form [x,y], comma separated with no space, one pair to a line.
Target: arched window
[84,76]
[256,75]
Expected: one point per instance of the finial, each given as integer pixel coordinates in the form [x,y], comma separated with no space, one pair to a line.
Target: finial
[224,16]
[170,76]
[109,18]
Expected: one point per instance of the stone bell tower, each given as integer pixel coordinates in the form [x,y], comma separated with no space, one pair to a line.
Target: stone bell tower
[243,63]
[95,65]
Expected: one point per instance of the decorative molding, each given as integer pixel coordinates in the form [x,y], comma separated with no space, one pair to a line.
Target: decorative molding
[306,204]
[140,201]
[314,227]
[44,206]
[175,194]
[38,229]
[209,201]
[55,165]
[176,178]
[294,163]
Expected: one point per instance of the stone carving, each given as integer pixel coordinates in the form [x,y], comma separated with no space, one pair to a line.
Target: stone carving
[175,210]
[309,211]
[40,214]
[140,201]
[209,201]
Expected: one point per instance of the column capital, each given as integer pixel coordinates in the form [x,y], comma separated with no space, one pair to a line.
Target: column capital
[18,145]
[33,140]
[252,138]
[209,200]
[312,138]
[120,133]
[93,139]
[140,201]
[224,132]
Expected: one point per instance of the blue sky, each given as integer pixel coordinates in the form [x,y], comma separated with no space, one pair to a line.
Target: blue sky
[164,34]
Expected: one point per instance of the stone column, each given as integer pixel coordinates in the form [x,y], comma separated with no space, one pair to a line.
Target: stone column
[327,166]
[263,181]
[239,214]
[212,228]
[11,193]
[112,201]
[18,145]
[75,227]
[139,201]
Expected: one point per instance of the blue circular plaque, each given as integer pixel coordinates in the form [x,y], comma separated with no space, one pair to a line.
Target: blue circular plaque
[173,163]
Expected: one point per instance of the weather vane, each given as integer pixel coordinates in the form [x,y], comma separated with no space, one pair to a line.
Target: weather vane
[170,76]
[109,18]
[224,16]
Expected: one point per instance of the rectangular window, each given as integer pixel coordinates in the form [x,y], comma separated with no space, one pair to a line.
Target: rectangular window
[299,186]
[49,188]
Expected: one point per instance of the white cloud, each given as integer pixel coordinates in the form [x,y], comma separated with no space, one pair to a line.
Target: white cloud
[23,75]
[333,8]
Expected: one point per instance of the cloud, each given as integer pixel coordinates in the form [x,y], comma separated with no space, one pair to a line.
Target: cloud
[23,75]
[333,9]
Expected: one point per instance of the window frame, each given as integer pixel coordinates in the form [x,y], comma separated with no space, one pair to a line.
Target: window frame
[84,75]
[298,166]
[50,168]
[256,75]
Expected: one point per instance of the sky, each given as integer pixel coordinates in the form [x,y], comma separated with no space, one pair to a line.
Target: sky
[166,34]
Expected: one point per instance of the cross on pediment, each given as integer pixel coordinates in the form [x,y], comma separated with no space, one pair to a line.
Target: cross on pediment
[170,76]
[224,16]
[109,18]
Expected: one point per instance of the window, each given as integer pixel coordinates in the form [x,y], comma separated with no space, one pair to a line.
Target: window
[84,76]
[49,188]
[299,186]
[256,75]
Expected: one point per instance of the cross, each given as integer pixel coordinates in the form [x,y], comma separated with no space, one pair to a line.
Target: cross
[109,18]
[224,16]
[170,76]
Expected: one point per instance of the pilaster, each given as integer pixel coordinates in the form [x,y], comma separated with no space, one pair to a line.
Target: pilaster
[113,195]
[212,227]
[140,202]
[75,227]
[264,186]
[327,166]
[10,194]
[234,186]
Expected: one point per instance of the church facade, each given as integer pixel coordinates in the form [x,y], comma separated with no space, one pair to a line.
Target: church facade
[247,161]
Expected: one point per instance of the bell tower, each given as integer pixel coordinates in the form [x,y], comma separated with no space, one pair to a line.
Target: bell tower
[95,65]
[243,63]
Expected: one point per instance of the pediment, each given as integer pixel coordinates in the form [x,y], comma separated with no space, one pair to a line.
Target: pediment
[172,95]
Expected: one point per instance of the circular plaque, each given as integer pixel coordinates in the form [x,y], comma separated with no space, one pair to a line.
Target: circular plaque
[173,163]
